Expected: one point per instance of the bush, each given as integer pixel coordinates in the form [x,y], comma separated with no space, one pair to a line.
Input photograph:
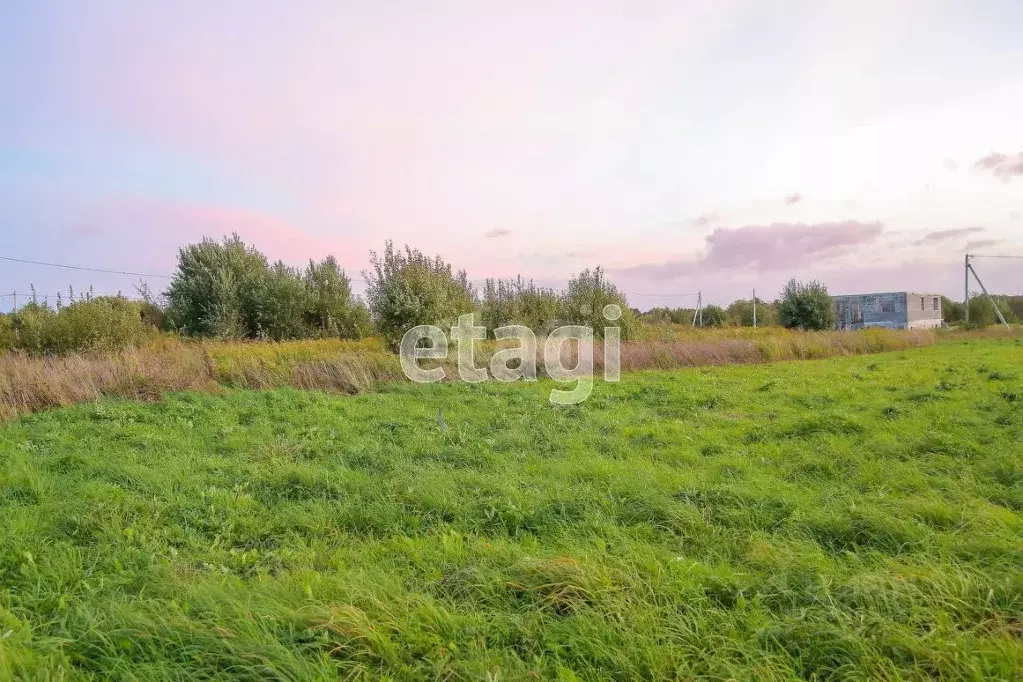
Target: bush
[519,302]
[406,288]
[208,293]
[8,337]
[584,300]
[358,323]
[330,307]
[665,315]
[715,316]
[982,313]
[806,305]
[740,313]
[104,323]
[228,290]
[276,305]
[1015,305]
[952,312]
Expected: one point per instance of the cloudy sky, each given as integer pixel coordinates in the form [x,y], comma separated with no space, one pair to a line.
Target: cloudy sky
[717,146]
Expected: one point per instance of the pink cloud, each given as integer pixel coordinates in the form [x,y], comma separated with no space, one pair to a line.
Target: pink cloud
[793,198]
[760,248]
[780,245]
[943,235]
[1003,166]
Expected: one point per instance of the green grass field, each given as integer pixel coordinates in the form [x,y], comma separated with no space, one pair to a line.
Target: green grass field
[848,518]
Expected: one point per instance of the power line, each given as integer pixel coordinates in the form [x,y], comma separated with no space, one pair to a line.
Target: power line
[41,294]
[975,255]
[695,293]
[78,267]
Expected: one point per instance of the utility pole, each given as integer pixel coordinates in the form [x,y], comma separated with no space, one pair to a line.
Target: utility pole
[754,308]
[698,313]
[966,288]
[998,311]
[15,295]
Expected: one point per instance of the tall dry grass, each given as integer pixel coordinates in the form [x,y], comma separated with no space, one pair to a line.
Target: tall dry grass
[30,383]
[722,348]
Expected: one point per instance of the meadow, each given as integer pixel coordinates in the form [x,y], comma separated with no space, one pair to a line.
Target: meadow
[859,517]
[167,362]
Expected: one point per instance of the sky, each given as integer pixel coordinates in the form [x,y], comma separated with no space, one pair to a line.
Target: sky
[683,146]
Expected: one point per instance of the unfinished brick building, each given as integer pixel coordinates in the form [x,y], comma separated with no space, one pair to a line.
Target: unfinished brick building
[893,310]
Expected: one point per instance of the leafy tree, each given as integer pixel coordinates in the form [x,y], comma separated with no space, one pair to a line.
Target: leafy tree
[952,312]
[713,316]
[330,307]
[8,334]
[519,302]
[498,305]
[982,313]
[277,304]
[537,307]
[740,313]
[585,298]
[1015,305]
[358,323]
[208,293]
[406,288]
[806,305]
[665,315]
[227,289]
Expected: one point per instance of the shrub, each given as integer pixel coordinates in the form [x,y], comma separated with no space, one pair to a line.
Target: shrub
[806,305]
[229,290]
[358,323]
[1015,306]
[277,305]
[207,295]
[8,338]
[584,300]
[406,288]
[740,313]
[982,312]
[952,312]
[714,316]
[104,323]
[330,307]
[519,302]
[667,316]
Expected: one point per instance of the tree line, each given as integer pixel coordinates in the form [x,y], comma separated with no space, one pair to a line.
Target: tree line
[227,289]
[800,305]
[982,313]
